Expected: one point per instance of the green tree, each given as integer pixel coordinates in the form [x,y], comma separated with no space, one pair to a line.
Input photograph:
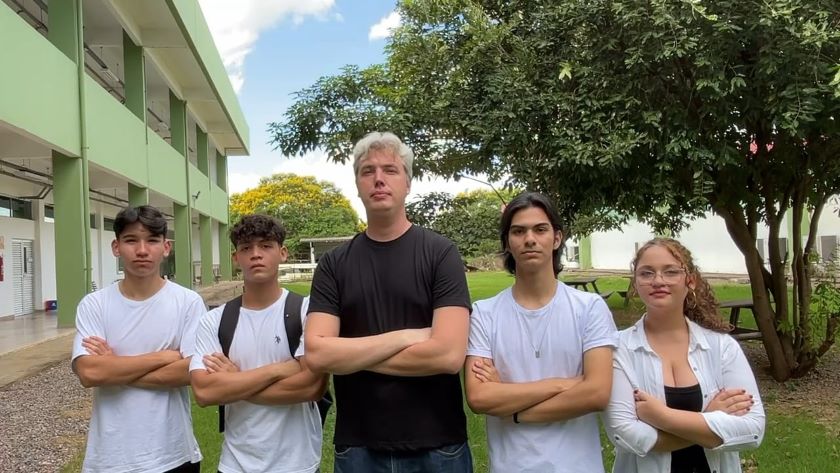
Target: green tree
[469,219]
[656,110]
[307,207]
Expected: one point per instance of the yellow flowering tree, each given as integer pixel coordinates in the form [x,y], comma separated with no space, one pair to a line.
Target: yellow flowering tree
[307,207]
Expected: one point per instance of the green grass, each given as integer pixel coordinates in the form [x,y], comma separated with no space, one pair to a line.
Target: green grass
[792,443]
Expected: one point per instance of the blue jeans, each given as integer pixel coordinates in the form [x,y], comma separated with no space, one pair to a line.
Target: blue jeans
[447,459]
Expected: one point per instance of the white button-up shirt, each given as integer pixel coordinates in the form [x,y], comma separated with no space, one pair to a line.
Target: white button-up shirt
[718,362]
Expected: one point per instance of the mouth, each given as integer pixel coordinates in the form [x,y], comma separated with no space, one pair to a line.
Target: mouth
[660,293]
[257,266]
[141,261]
[380,195]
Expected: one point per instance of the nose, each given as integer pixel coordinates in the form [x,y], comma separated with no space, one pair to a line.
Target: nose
[142,247]
[379,176]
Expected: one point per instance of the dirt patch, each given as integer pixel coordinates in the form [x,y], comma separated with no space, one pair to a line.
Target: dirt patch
[221,292]
[815,394]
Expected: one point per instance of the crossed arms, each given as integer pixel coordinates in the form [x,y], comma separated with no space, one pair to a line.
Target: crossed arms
[545,400]
[409,352]
[156,370]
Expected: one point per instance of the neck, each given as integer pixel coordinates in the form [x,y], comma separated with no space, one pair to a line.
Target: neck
[664,320]
[259,295]
[534,290]
[386,227]
[141,288]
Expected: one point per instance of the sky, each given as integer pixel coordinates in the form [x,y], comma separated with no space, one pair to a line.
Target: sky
[274,48]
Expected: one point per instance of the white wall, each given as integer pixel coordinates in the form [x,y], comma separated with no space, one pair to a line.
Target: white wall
[615,249]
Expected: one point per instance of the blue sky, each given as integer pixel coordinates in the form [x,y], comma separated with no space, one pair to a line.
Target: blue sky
[273,48]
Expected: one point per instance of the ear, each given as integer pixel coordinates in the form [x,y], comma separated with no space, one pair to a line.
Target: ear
[284,254]
[115,248]
[690,282]
[558,239]
[167,247]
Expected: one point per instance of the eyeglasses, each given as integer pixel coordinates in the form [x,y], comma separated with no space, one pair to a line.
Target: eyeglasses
[670,276]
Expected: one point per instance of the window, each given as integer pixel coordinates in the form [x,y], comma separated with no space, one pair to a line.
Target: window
[108,225]
[573,254]
[828,248]
[49,217]
[15,208]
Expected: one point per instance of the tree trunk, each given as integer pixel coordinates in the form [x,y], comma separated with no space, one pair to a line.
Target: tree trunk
[780,364]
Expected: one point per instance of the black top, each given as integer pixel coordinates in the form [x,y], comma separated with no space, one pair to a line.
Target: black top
[691,459]
[376,287]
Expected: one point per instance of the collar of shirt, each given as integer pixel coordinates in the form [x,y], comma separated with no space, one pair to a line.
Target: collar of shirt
[637,339]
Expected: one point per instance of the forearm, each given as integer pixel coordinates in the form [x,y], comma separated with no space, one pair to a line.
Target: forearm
[423,359]
[225,387]
[668,442]
[688,425]
[113,370]
[505,399]
[302,387]
[173,375]
[584,398]
[343,355]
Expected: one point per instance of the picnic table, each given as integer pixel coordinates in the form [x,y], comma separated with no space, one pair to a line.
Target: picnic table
[740,333]
[584,283]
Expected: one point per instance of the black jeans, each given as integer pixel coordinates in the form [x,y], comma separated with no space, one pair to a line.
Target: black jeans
[187,468]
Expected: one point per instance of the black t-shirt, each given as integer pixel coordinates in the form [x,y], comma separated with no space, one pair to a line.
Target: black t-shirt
[377,287]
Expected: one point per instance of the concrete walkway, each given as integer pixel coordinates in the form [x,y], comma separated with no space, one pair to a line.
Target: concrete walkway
[30,343]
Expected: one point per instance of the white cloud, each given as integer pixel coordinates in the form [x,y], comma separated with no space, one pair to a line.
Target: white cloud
[384,27]
[236,25]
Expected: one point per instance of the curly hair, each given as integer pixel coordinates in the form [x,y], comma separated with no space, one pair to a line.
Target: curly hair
[254,226]
[700,305]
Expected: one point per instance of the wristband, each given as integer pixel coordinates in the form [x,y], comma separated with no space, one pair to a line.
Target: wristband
[515,417]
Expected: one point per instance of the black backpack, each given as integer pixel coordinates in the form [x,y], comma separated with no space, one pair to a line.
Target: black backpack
[294,330]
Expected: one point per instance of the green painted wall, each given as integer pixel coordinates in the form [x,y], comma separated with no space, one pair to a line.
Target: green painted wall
[134,66]
[137,195]
[191,20]
[38,92]
[200,185]
[167,173]
[116,137]
[71,223]
[585,249]
[220,204]
[183,246]
[221,170]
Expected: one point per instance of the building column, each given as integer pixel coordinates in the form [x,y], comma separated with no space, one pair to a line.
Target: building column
[135,78]
[183,246]
[221,171]
[71,224]
[225,264]
[201,151]
[41,270]
[137,195]
[585,252]
[183,213]
[205,228]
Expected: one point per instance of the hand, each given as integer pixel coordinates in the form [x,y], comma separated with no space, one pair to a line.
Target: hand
[485,371]
[731,401]
[218,363]
[648,408]
[97,346]
[417,335]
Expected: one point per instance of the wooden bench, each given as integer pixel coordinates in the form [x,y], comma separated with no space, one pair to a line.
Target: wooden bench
[740,333]
[584,283]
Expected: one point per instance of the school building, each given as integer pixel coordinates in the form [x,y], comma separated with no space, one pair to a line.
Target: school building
[106,103]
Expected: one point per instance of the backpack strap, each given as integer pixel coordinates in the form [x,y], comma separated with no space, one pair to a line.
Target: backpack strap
[291,320]
[227,327]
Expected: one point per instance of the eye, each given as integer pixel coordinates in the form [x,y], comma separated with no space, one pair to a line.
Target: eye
[645,274]
[672,273]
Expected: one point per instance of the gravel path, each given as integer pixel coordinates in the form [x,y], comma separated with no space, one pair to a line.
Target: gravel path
[43,420]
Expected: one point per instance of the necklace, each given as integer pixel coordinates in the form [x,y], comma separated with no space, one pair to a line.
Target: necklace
[524,320]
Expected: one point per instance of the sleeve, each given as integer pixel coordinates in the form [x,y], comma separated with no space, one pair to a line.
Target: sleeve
[623,427]
[323,296]
[206,338]
[450,283]
[599,330]
[480,327]
[195,310]
[737,432]
[89,323]
[303,313]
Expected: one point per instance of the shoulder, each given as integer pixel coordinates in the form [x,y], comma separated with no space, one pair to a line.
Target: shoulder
[182,293]
[211,319]
[487,308]
[576,296]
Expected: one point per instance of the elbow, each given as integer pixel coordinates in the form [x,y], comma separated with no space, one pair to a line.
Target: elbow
[89,377]
[478,404]
[202,399]
[600,400]
[452,365]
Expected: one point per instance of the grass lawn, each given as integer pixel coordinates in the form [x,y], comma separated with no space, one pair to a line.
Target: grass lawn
[793,443]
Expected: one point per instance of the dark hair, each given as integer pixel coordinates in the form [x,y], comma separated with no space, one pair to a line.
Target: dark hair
[257,226]
[521,202]
[148,216]
[700,304]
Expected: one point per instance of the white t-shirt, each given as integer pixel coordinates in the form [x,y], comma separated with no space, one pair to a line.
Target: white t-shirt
[572,323]
[267,439]
[134,429]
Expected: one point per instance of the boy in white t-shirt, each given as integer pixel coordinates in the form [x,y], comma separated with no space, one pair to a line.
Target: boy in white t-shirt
[271,423]
[133,343]
[539,361]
